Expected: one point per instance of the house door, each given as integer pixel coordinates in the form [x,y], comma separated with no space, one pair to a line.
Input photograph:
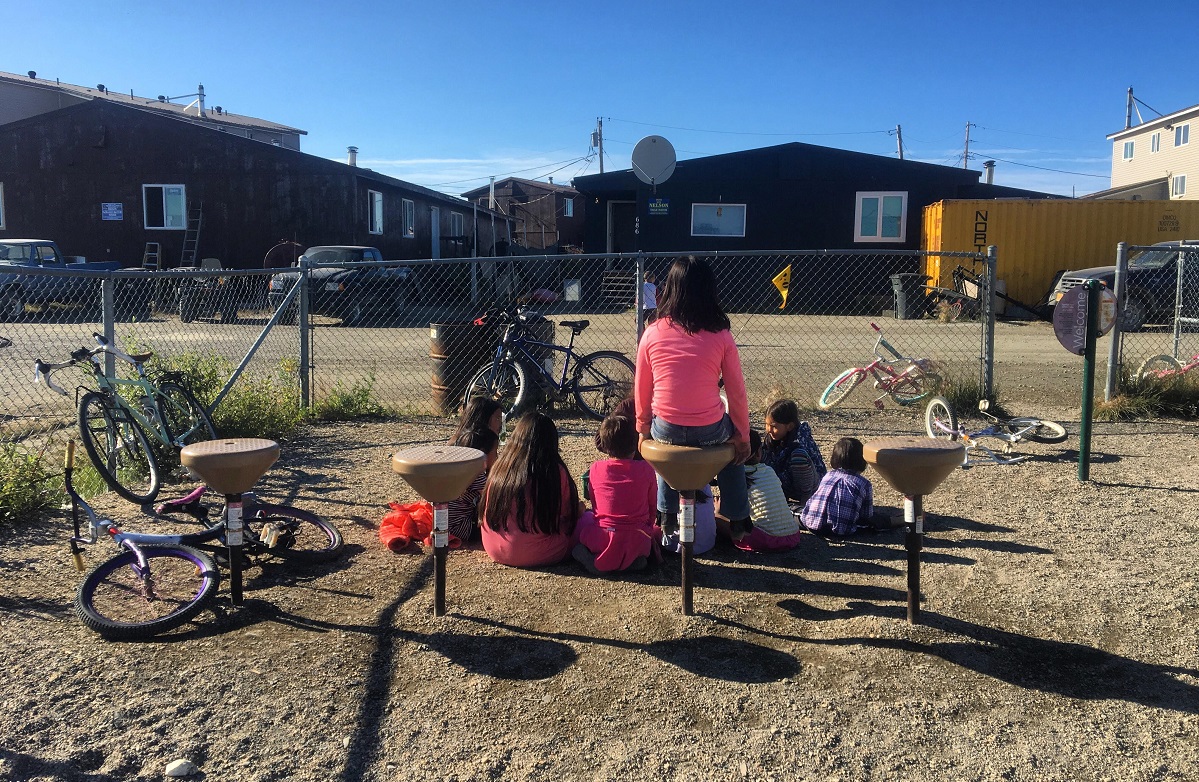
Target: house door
[435,231]
[622,218]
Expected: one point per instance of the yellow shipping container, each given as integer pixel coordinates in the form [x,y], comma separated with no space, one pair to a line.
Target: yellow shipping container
[1035,239]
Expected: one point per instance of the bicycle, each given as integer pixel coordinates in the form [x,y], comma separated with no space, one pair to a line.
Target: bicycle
[116,432]
[1165,367]
[915,381]
[158,582]
[600,380]
[941,422]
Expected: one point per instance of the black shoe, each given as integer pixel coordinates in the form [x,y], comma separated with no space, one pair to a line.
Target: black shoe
[669,522]
[739,528]
[584,557]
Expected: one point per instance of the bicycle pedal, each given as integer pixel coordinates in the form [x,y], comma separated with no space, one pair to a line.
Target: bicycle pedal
[269,535]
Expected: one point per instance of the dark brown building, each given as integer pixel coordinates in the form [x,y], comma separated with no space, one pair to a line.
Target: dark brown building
[546,216]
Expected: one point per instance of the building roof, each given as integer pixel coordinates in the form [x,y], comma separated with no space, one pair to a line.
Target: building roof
[530,183]
[187,111]
[1157,122]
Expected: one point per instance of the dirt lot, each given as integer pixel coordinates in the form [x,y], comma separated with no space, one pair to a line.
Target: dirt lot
[1059,642]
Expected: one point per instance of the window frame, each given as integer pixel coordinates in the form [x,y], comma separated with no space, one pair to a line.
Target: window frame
[860,198]
[1155,143]
[2,223]
[744,220]
[1129,148]
[164,226]
[408,207]
[457,224]
[374,212]
[1182,135]
[1178,185]
[568,207]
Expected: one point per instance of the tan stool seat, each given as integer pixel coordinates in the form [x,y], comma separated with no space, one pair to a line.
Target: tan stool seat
[914,465]
[684,467]
[438,473]
[232,465]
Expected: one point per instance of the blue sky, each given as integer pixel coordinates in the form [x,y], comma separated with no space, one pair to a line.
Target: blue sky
[444,94]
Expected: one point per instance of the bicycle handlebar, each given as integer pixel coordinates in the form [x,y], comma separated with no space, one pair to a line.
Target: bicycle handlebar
[42,369]
[106,347]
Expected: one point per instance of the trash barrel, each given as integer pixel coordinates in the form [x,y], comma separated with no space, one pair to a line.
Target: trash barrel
[456,351]
[911,300]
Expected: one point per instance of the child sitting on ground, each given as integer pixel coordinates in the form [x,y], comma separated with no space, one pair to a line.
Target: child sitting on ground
[479,413]
[790,450]
[844,501]
[464,511]
[623,496]
[775,527]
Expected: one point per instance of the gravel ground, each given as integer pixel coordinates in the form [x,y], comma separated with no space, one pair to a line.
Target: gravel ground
[1058,642]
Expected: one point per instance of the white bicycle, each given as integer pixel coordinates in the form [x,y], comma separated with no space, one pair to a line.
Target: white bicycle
[941,422]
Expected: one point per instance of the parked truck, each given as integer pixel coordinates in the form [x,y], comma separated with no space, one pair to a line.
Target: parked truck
[19,290]
[356,294]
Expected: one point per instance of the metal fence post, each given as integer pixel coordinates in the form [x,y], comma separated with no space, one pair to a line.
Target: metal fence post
[639,293]
[108,312]
[988,363]
[305,337]
[1114,360]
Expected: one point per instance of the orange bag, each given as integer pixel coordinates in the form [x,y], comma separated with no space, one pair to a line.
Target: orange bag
[405,523]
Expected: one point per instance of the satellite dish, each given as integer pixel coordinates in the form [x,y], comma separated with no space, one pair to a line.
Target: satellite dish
[653,160]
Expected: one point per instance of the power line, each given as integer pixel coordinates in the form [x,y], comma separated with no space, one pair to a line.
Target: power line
[743,133]
[1042,168]
[562,163]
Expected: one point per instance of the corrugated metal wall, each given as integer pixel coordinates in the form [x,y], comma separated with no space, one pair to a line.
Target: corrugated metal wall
[1035,239]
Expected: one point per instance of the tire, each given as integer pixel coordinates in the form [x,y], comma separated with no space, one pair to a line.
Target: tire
[940,421]
[1136,312]
[302,536]
[1047,432]
[112,598]
[602,380]
[12,307]
[229,316]
[915,386]
[509,386]
[118,448]
[1150,367]
[187,312]
[185,419]
[841,387]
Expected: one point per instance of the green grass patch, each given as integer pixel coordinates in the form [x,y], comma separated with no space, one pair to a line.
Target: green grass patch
[964,394]
[348,402]
[1140,398]
[27,487]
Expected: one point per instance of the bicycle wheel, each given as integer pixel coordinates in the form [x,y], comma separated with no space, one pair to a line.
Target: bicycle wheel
[1042,431]
[1158,368]
[602,380]
[840,388]
[119,604]
[913,385]
[940,421]
[118,448]
[185,419]
[508,384]
[298,535]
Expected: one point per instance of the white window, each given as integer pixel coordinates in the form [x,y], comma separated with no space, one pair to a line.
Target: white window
[881,217]
[456,229]
[1182,135]
[718,219]
[1,206]
[164,207]
[1155,142]
[568,207]
[374,208]
[409,218]
[1128,150]
[1179,186]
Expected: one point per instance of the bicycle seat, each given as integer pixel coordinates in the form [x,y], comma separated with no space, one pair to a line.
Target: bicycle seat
[142,358]
[576,326]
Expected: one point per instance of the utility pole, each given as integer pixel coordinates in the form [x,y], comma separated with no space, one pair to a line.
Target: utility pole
[899,139]
[966,154]
[1128,111]
[597,140]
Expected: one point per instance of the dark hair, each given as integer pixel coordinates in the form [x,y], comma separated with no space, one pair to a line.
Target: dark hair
[484,440]
[847,455]
[617,437]
[527,479]
[688,297]
[476,415]
[783,411]
[755,447]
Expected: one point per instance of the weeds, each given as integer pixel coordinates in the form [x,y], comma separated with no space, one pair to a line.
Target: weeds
[345,403]
[965,394]
[1139,398]
[26,487]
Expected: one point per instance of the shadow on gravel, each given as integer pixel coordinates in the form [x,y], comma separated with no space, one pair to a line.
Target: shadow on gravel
[1069,669]
[18,765]
[1146,486]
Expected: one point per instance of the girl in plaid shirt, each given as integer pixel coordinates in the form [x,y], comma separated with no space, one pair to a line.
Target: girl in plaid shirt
[844,500]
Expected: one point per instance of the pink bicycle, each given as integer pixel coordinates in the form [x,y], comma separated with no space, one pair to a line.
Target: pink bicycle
[1165,367]
[905,379]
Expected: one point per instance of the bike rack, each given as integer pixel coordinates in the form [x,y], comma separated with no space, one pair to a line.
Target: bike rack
[232,467]
[439,474]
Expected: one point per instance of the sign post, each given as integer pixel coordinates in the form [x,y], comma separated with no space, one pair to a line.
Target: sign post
[1082,316]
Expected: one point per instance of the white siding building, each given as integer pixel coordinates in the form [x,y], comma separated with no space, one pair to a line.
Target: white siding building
[1158,159]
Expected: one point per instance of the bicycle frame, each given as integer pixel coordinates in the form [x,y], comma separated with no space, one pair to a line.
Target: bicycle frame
[883,368]
[972,441]
[519,346]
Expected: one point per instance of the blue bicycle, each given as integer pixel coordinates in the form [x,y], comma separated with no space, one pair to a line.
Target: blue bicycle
[515,375]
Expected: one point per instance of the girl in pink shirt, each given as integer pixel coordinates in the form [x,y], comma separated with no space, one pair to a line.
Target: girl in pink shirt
[622,532]
[531,504]
[682,358]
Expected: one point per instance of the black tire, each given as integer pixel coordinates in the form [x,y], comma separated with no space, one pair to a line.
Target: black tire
[841,387]
[229,314]
[301,536]
[289,317]
[187,312]
[185,419]
[113,600]
[1136,312]
[118,448]
[1150,367]
[602,380]
[12,306]
[508,385]
[940,421]
[1043,431]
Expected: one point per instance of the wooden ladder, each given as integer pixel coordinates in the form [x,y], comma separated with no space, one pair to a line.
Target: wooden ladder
[191,237]
[150,256]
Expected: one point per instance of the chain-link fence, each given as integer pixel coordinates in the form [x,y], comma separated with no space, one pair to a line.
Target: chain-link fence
[403,334]
[1160,304]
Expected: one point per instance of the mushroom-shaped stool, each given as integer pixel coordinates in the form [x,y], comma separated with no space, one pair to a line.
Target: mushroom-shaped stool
[914,466]
[231,466]
[439,474]
[686,469]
